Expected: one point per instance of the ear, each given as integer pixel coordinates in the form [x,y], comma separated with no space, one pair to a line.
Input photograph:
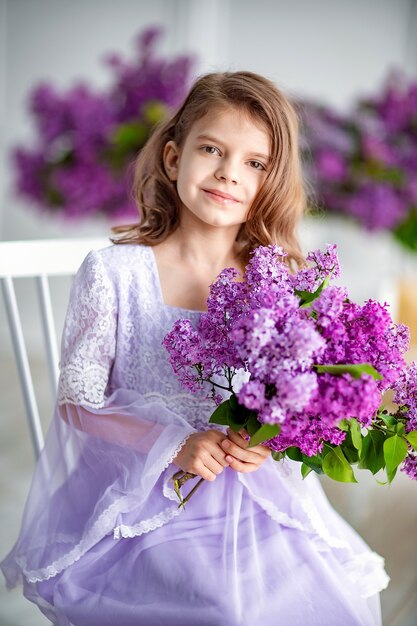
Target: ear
[171,160]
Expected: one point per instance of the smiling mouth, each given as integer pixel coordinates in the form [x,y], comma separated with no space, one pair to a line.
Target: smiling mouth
[220,197]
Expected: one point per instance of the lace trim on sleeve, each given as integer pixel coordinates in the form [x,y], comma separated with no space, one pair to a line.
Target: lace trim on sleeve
[105,524]
[83,386]
[89,338]
[162,518]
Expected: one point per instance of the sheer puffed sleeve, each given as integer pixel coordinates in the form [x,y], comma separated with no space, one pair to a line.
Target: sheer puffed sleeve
[107,462]
[88,343]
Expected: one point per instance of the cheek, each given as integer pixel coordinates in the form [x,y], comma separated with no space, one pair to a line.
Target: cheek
[185,188]
[256,182]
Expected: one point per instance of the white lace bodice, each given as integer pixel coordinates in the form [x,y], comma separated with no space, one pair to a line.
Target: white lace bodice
[114,331]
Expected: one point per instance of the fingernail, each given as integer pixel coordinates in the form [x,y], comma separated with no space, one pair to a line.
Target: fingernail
[226,443]
[229,459]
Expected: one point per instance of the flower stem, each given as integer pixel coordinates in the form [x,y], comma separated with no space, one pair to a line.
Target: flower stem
[188,496]
[179,478]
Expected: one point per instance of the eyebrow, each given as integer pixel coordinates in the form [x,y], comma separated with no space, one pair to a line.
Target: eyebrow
[259,155]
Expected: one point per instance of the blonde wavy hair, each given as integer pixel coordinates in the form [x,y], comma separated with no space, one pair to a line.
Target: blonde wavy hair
[279,204]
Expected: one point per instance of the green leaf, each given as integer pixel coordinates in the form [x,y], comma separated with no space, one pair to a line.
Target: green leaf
[237,421]
[265,432]
[277,456]
[395,451]
[391,475]
[253,424]
[154,111]
[388,419]
[294,453]
[336,466]
[234,404]
[313,462]
[399,429]
[221,414]
[354,369]
[308,297]
[349,450]
[406,232]
[130,136]
[305,470]
[412,438]
[355,433]
[372,453]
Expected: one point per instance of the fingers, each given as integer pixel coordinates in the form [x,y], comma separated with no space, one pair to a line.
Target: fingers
[241,466]
[264,451]
[206,454]
[202,455]
[208,467]
[237,445]
[239,456]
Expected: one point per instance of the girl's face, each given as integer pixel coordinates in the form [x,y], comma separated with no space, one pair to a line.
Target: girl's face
[220,168]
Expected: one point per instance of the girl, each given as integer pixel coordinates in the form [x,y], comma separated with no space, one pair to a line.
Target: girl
[103,542]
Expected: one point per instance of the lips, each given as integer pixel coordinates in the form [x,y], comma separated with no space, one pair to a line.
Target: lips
[220,196]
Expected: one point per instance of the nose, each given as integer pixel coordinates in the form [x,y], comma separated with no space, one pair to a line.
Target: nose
[227,173]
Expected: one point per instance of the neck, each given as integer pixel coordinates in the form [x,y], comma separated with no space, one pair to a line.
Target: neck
[207,248]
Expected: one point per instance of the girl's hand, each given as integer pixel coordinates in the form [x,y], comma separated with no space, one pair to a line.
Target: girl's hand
[239,456]
[203,455]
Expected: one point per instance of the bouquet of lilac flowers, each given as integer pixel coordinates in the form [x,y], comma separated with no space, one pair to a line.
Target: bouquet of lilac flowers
[87,139]
[316,364]
[362,164]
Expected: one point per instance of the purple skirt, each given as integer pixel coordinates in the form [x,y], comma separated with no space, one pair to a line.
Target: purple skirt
[208,567]
[103,542]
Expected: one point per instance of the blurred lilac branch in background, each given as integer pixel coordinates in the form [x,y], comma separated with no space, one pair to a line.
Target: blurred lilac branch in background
[363,165]
[86,139]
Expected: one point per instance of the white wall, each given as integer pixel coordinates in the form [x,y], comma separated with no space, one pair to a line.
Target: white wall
[333,50]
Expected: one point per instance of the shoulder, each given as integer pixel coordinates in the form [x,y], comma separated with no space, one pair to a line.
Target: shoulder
[117,259]
[118,268]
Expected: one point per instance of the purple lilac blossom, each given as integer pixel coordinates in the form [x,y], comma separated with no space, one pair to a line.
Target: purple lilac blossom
[267,275]
[88,138]
[331,165]
[328,307]
[343,397]
[226,303]
[410,465]
[405,388]
[257,324]
[378,149]
[366,334]
[30,168]
[324,264]
[378,205]
[184,347]
[252,395]
[310,437]
[363,164]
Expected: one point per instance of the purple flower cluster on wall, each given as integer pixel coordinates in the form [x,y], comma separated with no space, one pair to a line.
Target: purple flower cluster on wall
[87,138]
[364,164]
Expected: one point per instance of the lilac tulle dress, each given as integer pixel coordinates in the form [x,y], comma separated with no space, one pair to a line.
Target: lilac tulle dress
[103,542]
